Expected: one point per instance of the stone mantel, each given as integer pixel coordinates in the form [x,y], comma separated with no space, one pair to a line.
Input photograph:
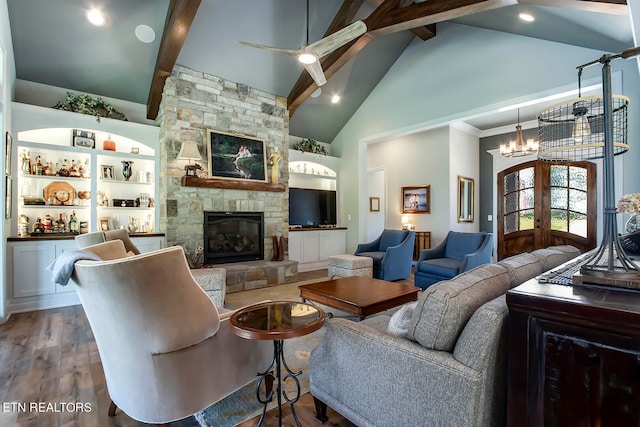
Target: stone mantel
[231,184]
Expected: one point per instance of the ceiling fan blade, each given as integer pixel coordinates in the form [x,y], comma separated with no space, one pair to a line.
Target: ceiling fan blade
[292,52]
[315,70]
[338,39]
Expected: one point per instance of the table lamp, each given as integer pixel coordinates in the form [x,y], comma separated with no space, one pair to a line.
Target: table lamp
[189,151]
[594,128]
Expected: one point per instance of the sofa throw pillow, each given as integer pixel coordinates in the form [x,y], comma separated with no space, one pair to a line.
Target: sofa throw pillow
[399,322]
[444,308]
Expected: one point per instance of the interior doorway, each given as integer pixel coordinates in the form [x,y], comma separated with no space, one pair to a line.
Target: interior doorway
[376,193]
[546,203]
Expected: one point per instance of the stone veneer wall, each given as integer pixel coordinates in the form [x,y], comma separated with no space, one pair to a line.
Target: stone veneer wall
[193,102]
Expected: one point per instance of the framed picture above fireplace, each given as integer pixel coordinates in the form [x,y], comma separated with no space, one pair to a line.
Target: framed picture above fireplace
[235,156]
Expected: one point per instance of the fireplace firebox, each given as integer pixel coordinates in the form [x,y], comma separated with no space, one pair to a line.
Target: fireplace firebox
[233,237]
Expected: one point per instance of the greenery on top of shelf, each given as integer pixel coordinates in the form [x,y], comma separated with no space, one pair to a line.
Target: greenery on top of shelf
[87,104]
[310,146]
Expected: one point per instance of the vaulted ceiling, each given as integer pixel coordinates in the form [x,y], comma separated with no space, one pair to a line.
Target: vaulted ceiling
[55,45]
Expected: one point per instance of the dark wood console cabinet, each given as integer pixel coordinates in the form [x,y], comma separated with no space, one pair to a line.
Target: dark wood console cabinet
[574,356]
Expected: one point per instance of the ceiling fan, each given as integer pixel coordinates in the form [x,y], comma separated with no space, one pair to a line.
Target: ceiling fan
[310,54]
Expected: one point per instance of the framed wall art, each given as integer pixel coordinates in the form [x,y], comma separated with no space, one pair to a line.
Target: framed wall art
[233,156]
[83,138]
[416,200]
[105,224]
[7,159]
[374,204]
[465,199]
[107,172]
[8,184]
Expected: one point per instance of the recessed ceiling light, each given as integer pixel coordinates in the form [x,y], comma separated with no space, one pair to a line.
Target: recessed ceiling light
[316,93]
[335,99]
[96,17]
[145,33]
[527,17]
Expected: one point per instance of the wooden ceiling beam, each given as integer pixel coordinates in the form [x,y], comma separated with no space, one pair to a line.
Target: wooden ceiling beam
[612,7]
[425,33]
[429,12]
[446,9]
[180,15]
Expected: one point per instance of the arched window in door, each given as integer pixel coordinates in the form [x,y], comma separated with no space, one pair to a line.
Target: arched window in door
[519,197]
[569,199]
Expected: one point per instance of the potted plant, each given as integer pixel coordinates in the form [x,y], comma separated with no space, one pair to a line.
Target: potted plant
[86,104]
[310,146]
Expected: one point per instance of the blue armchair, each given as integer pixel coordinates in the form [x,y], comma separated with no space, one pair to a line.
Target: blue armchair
[458,253]
[392,254]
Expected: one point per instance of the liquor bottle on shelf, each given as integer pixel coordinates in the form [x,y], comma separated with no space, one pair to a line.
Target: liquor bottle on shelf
[60,225]
[80,169]
[48,224]
[49,170]
[64,169]
[73,170]
[38,226]
[39,168]
[74,226]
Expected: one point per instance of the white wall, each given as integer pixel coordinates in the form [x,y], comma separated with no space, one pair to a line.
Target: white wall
[6,96]
[414,160]
[464,160]
[464,70]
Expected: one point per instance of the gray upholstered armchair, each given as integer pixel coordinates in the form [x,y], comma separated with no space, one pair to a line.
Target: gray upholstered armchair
[166,350]
[88,239]
[459,252]
[392,254]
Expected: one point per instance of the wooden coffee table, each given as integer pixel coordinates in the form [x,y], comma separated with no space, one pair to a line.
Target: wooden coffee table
[360,296]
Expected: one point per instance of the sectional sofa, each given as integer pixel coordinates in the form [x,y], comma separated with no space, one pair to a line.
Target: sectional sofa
[439,361]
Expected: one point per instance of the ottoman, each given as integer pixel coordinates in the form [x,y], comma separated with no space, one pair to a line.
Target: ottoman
[350,265]
[214,282]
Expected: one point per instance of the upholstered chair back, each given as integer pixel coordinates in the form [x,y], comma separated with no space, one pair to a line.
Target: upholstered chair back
[144,311]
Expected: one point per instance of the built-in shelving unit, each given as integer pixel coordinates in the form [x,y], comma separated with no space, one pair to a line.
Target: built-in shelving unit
[99,195]
[308,170]
[46,132]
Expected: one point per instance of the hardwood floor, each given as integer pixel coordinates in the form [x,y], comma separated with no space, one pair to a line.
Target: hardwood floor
[49,357]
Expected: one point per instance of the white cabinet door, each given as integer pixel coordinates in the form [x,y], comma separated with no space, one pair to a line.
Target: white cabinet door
[332,242]
[309,246]
[295,246]
[30,277]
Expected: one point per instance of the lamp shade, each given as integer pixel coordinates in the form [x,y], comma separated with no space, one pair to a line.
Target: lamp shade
[189,151]
[575,130]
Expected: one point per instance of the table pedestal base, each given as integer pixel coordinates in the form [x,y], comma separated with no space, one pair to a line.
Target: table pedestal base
[278,363]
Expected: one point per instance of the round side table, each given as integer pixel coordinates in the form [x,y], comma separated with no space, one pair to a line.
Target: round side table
[277,321]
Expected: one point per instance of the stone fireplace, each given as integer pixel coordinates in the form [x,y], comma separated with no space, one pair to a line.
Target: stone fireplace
[233,237]
[192,103]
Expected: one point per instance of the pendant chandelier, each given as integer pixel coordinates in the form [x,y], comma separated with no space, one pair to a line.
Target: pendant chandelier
[519,147]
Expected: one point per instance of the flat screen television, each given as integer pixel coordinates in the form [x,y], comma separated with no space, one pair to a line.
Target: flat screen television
[312,208]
